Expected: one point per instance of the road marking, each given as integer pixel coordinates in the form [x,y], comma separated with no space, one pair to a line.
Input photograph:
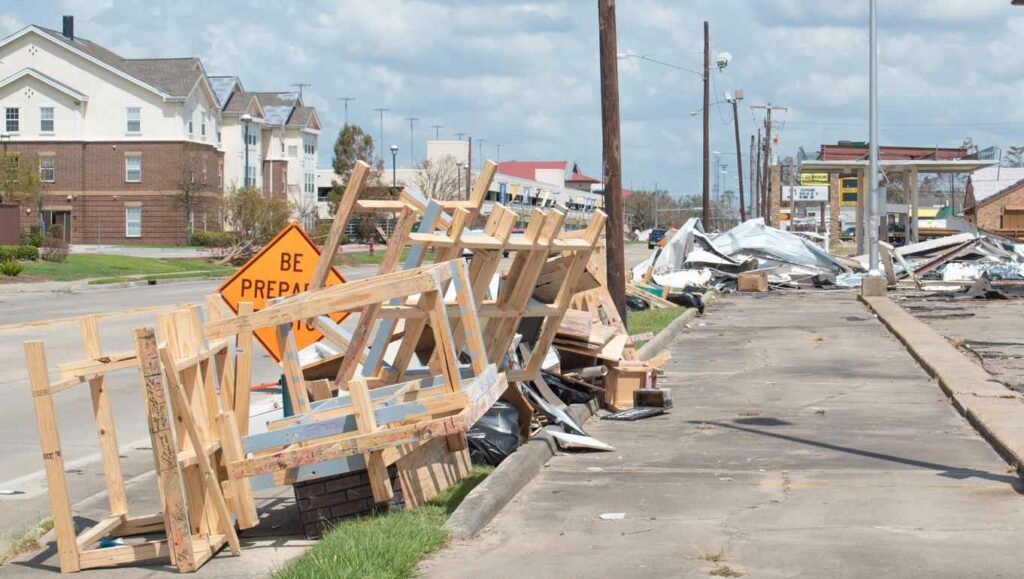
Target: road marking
[19,483]
[40,324]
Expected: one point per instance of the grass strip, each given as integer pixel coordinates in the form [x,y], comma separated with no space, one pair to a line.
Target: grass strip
[652,320]
[388,545]
[83,266]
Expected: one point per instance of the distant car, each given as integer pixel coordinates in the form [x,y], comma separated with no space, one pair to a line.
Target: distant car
[655,236]
[848,233]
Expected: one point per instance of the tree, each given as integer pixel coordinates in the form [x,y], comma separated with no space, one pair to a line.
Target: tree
[193,181]
[1014,157]
[254,218]
[20,181]
[440,179]
[352,144]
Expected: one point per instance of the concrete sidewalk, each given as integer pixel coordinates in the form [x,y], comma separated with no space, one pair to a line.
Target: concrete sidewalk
[805,442]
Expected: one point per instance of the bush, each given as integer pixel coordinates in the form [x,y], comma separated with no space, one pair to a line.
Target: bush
[35,239]
[54,249]
[213,239]
[323,229]
[18,252]
[11,268]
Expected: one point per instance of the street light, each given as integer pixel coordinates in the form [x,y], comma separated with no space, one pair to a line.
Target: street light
[394,170]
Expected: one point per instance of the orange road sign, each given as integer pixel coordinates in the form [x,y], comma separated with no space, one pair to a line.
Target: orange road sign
[283,267]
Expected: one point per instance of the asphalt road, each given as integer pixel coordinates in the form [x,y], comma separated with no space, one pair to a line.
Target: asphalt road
[52,317]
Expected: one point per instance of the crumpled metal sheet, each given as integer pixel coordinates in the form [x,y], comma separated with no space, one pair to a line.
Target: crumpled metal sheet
[972,270]
[755,238]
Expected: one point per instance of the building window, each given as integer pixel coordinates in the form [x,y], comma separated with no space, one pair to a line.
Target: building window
[293,151]
[309,184]
[45,119]
[46,172]
[202,125]
[190,130]
[133,168]
[323,195]
[282,147]
[11,116]
[133,221]
[134,124]
[250,177]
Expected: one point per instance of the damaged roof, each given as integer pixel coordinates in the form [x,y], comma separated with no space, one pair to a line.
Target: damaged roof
[990,182]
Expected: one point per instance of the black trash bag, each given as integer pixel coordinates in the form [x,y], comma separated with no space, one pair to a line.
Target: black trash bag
[635,304]
[567,393]
[688,300]
[495,435]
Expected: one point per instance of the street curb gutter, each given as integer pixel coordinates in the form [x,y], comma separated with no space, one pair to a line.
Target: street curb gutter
[992,409]
[662,339]
[487,499]
[490,496]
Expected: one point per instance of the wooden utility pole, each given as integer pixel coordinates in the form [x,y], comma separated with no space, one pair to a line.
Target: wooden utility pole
[736,98]
[759,192]
[767,179]
[706,200]
[612,154]
[753,177]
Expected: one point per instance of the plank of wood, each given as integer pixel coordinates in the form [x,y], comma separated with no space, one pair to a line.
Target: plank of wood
[210,481]
[241,490]
[319,389]
[428,470]
[101,529]
[165,454]
[356,182]
[243,372]
[338,298]
[53,460]
[376,469]
[104,416]
[123,554]
[292,369]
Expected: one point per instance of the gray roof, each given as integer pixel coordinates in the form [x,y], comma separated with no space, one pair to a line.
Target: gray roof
[173,76]
[276,114]
[300,116]
[277,98]
[223,86]
[991,181]
[238,102]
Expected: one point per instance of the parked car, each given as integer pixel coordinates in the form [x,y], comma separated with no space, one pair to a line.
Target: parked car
[655,237]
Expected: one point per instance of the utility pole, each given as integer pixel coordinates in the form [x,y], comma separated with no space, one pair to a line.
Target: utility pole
[480,150]
[736,98]
[412,156]
[753,176]
[382,111]
[469,165]
[610,130]
[766,180]
[707,127]
[301,85]
[497,151]
[460,135]
[872,205]
[346,100]
[437,131]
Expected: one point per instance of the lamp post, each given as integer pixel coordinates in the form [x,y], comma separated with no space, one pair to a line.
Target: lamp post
[246,119]
[394,164]
[872,205]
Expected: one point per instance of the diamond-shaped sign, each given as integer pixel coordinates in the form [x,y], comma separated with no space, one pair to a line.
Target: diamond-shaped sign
[283,267]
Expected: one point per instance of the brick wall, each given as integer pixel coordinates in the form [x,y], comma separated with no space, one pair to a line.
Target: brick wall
[325,502]
[89,179]
[774,195]
[835,226]
[275,177]
[988,215]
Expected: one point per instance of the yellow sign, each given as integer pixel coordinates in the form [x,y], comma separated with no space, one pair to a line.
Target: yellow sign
[282,268]
[848,191]
[809,179]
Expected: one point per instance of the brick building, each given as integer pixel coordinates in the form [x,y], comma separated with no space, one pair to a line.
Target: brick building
[119,140]
[995,200]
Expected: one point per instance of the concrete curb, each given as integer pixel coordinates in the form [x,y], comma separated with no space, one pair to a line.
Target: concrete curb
[992,409]
[665,336]
[487,499]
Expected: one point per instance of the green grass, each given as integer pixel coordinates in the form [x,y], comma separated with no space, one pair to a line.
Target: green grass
[27,541]
[84,266]
[383,546]
[652,320]
[357,258]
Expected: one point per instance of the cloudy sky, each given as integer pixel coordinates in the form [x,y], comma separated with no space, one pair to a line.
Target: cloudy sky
[525,74]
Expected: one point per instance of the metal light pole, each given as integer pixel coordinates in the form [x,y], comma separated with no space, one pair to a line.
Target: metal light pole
[346,100]
[412,158]
[382,111]
[706,197]
[480,150]
[872,206]
[437,131]
[246,118]
[394,165]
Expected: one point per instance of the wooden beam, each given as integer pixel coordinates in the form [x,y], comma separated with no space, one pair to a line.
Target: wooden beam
[354,188]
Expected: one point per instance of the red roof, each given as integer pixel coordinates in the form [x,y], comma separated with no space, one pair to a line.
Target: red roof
[528,169]
[578,177]
[847,151]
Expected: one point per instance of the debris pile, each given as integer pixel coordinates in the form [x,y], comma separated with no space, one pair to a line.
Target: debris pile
[447,360]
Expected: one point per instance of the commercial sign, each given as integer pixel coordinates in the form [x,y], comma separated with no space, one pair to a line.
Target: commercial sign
[503,193]
[282,268]
[805,194]
[814,179]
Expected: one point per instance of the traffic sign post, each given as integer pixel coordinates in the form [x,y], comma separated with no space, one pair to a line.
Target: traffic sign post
[284,267]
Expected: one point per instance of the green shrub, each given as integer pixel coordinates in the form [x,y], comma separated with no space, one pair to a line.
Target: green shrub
[213,238]
[11,268]
[18,252]
[35,239]
[322,230]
